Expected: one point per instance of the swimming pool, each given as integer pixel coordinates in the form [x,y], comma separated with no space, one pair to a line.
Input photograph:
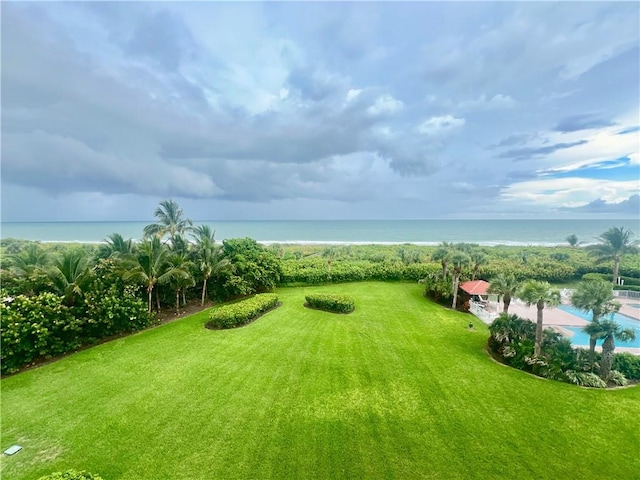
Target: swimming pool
[580,338]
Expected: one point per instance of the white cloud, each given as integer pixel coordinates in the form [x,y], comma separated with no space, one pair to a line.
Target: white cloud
[385,105]
[483,102]
[352,94]
[440,125]
[568,192]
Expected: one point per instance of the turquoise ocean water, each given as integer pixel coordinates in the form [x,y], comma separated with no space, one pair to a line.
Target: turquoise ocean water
[423,232]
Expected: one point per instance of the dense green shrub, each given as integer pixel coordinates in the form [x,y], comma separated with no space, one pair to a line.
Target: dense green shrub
[42,326]
[331,302]
[596,276]
[512,341]
[35,327]
[627,364]
[254,269]
[71,475]
[438,289]
[241,313]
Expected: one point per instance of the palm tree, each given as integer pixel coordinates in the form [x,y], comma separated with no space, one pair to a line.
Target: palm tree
[115,245]
[614,244]
[209,257]
[171,221]
[478,258]
[330,254]
[505,286]
[70,273]
[178,272]
[148,267]
[610,331]
[30,261]
[595,296]
[459,260]
[573,240]
[541,294]
[442,255]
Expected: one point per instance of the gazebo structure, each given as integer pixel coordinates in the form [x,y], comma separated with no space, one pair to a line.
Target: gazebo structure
[476,293]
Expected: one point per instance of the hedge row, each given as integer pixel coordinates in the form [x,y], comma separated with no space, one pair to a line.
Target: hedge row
[315,271]
[628,281]
[331,303]
[42,326]
[241,313]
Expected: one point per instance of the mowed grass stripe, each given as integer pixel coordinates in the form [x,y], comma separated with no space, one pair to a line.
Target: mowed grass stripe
[398,389]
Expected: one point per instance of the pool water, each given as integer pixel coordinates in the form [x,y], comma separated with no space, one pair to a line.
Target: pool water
[582,339]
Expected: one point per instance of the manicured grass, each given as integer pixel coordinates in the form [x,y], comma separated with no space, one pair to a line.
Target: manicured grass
[398,389]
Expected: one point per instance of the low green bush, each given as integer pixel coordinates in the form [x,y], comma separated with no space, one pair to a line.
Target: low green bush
[71,475]
[627,364]
[241,313]
[596,276]
[633,288]
[331,302]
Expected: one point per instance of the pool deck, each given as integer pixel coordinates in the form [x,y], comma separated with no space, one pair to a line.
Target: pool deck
[556,318]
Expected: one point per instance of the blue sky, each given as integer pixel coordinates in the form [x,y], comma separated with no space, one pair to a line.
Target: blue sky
[320,110]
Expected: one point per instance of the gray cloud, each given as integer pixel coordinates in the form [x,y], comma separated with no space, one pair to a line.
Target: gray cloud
[514,139]
[532,152]
[162,37]
[292,104]
[583,121]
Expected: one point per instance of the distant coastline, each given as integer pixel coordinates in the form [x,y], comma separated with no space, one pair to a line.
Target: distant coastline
[342,232]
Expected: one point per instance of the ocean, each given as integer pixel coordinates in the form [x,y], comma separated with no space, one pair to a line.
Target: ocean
[421,232]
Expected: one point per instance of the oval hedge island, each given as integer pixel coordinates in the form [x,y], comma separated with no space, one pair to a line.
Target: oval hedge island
[240,313]
[334,303]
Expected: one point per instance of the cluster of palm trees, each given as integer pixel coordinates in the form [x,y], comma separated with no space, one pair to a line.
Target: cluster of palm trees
[165,256]
[458,256]
[595,296]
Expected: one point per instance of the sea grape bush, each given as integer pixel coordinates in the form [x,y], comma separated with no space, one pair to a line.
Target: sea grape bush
[43,326]
[35,327]
[315,271]
[331,302]
[254,269]
[240,313]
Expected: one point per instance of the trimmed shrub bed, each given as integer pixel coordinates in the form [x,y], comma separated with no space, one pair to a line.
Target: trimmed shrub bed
[241,313]
[331,303]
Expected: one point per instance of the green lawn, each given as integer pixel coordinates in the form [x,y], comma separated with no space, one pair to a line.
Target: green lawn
[398,389]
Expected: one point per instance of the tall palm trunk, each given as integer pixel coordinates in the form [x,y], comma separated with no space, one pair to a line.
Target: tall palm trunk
[538,345]
[177,301]
[456,279]
[150,291]
[608,346]
[616,269]
[592,351]
[507,302]
[204,291]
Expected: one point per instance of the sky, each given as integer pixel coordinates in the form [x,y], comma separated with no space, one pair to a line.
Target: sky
[320,110]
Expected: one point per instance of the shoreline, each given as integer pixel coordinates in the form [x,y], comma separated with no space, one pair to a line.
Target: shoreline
[488,243]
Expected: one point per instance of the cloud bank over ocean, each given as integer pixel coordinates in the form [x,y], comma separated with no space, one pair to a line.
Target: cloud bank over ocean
[320,110]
